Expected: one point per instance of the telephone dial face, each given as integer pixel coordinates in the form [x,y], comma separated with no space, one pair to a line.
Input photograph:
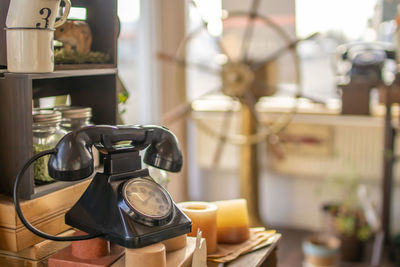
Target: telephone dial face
[151,204]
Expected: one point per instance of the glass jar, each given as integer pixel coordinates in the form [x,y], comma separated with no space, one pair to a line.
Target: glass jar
[46,134]
[74,117]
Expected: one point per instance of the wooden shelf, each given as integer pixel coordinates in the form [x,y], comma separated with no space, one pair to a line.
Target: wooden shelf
[61,74]
[95,88]
[42,190]
[91,85]
[83,66]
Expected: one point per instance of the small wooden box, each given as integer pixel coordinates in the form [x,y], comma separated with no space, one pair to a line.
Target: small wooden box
[46,213]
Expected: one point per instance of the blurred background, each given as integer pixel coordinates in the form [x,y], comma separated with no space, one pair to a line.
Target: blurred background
[322,140]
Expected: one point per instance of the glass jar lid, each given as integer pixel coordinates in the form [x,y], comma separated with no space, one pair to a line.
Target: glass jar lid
[74,112]
[46,116]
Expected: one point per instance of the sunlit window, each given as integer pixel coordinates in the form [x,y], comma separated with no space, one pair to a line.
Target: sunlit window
[128,10]
[128,50]
[349,18]
[78,13]
[200,47]
[338,22]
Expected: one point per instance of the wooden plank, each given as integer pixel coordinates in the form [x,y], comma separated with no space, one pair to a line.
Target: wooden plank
[63,73]
[82,66]
[17,240]
[52,187]
[41,250]
[258,257]
[8,239]
[38,209]
[3,13]
[16,134]
[12,261]
[7,213]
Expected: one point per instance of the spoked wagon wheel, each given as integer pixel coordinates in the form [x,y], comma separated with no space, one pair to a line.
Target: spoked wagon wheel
[247,62]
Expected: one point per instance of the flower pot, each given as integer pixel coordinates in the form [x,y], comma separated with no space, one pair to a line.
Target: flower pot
[321,251]
[352,248]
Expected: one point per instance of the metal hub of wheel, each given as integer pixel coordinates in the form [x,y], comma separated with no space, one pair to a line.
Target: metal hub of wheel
[237,78]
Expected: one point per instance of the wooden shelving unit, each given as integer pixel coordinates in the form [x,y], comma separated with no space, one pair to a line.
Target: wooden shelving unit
[92,85]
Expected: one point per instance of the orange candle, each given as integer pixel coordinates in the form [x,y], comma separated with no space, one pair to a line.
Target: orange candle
[204,217]
[232,221]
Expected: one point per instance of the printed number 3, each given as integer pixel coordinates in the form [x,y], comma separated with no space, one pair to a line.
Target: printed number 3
[46,19]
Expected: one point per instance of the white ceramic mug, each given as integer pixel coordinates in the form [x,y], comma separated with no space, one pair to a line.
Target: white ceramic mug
[30,50]
[36,13]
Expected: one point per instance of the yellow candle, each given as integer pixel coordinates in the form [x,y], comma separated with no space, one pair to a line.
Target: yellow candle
[204,217]
[232,221]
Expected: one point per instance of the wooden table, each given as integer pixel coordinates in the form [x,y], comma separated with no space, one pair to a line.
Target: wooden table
[265,257]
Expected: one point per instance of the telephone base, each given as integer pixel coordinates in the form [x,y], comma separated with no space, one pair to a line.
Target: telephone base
[99,210]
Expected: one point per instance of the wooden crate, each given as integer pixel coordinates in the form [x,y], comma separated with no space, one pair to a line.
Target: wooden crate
[13,261]
[46,213]
[41,250]
[36,255]
[103,21]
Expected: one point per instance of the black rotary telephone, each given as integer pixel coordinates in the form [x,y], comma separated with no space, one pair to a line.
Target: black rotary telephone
[362,67]
[366,60]
[123,204]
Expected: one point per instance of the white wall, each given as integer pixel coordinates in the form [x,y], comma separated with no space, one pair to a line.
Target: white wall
[293,194]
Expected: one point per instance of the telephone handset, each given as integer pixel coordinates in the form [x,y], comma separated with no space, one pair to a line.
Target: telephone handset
[73,159]
[363,61]
[123,204]
[350,50]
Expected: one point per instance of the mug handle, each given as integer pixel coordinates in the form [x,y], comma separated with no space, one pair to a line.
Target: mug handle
[64,17]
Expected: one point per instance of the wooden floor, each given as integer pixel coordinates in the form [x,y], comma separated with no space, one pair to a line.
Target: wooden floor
[290,253]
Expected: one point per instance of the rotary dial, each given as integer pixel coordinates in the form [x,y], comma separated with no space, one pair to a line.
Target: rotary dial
[147,198]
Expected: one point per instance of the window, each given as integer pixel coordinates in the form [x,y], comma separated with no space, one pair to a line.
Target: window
[339,21]
[128,51]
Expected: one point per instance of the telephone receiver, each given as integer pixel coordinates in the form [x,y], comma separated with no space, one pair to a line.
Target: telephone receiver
[382,50]
[122,204]
[73,158]
[365,60]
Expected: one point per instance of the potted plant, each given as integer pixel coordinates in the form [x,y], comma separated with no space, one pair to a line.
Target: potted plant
[346,218]
[350,225]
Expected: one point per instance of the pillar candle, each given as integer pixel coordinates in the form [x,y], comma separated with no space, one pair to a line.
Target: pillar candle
[90,249]
[232,221]
[204,217]
[150,256]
